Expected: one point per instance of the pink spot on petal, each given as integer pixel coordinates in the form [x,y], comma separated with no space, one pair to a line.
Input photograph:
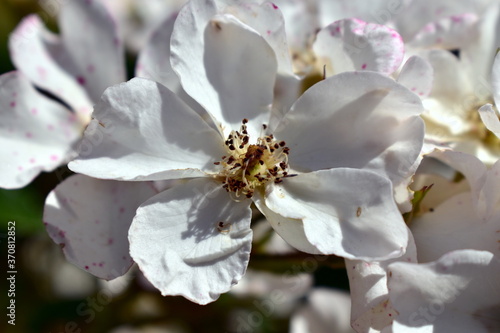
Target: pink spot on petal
[110,241]
[29,135]
[54,157]
[12,104]
[81,80]
[42,72]
[122,209]
[90,68]
[34,111]
[32,160]
[274,6]
[20,168]
[50,127]
[363,66]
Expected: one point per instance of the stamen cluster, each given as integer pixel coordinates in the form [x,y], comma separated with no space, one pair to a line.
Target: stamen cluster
[248,166]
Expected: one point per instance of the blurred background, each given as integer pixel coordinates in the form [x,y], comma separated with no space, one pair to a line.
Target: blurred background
[282,291]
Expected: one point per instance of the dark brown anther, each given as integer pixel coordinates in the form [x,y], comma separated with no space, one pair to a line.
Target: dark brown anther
[282,143]
[230,160]
[231,147]
[244,121]
[216,163]
[268,139]
[240,146]
[276,145]
[283,165]
[264,126]
[249,195]
[278,180]
[261,162]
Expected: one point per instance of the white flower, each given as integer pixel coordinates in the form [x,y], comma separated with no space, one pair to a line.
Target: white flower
[454,218]
[459,292]
[344,139]
[36,133]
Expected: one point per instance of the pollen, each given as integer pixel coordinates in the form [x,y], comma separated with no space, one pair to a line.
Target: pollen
[246,167]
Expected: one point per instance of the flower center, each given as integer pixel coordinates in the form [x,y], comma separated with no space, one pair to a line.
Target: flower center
[248,166]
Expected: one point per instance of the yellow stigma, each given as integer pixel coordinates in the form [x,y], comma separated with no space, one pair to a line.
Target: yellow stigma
[248,166]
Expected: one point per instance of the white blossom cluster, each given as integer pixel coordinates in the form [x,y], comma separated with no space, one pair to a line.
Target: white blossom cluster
[368,130]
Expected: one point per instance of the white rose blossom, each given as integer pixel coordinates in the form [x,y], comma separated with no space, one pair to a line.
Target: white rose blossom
[321,173]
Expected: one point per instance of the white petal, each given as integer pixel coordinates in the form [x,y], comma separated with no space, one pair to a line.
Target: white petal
[473,170]
[461,294]
[452,32]
[454,225]
[154,63]
[179,244]
[352,44]
[490,119]
[267,19]
[90,218]
[143,131]
[347,212]
[371,308]
[450,81]
[230,85]
[36,134]
[356,120]
[290,229]
[417,75]
[154,60]
[32,49]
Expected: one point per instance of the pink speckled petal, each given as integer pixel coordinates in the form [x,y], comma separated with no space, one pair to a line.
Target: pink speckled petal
[192,240]
[417,75]
[33,51]
[89,218]
[229,85]
[143,131]
[36,134]
[96,58]
[352,44]
[74,66]
[447,33]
